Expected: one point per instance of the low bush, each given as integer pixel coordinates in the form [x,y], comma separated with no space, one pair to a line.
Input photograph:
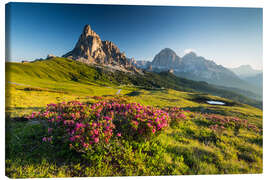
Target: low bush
[84,127]
[218,123]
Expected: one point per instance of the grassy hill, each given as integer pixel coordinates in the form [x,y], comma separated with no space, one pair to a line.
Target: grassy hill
[48,73]
[189,145]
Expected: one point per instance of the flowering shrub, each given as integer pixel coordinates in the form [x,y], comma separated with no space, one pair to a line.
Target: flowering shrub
[84,126]
[217,128]
[176,114]
[219,123]
[119,99]
[98,97]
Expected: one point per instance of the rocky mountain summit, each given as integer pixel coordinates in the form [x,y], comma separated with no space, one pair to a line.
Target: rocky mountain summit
[90,49]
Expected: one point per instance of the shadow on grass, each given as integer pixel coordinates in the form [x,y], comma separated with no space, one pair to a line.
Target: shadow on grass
[133,93]
[194,156]
[18,113]
[23,108]
[24,147]
[202,109]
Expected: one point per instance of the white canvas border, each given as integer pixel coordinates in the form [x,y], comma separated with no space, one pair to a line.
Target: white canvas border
[209,3]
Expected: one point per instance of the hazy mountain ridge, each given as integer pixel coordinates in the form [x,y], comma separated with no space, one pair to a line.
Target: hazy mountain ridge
[250,75]
[194,67]
[245,71]
[167,59]
[256,80]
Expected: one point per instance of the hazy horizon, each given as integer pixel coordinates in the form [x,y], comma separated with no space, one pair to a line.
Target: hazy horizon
[228,36]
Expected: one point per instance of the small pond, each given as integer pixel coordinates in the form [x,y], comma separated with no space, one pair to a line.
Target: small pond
[215,102]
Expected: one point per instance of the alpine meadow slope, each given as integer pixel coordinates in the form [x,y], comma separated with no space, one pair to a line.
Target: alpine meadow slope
[66,70]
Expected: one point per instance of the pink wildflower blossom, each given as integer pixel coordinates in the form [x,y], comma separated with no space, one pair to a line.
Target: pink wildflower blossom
[96,140]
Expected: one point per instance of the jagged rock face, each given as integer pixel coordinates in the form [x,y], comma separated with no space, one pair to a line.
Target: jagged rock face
[166,59]
[113,54]
[91,49]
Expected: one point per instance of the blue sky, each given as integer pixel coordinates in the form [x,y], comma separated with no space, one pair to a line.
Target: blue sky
[229,36]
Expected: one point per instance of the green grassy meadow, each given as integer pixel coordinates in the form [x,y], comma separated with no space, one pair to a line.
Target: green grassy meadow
[185,147]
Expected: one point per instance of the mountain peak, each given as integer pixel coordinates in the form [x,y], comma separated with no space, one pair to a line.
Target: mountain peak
[91,49]
[167,49]
[191,54]
[87,31]
[87,28]
[246,66]
[166,58]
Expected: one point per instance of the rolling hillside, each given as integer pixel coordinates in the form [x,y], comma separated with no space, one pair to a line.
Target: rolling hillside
[47,73]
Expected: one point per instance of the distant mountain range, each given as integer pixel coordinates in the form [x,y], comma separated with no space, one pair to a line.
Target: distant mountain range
[197,68]
[244,71]
[250,75]
[256,80]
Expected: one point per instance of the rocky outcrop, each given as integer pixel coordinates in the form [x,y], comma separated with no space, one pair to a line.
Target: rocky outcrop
[49,56]
[91,49]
